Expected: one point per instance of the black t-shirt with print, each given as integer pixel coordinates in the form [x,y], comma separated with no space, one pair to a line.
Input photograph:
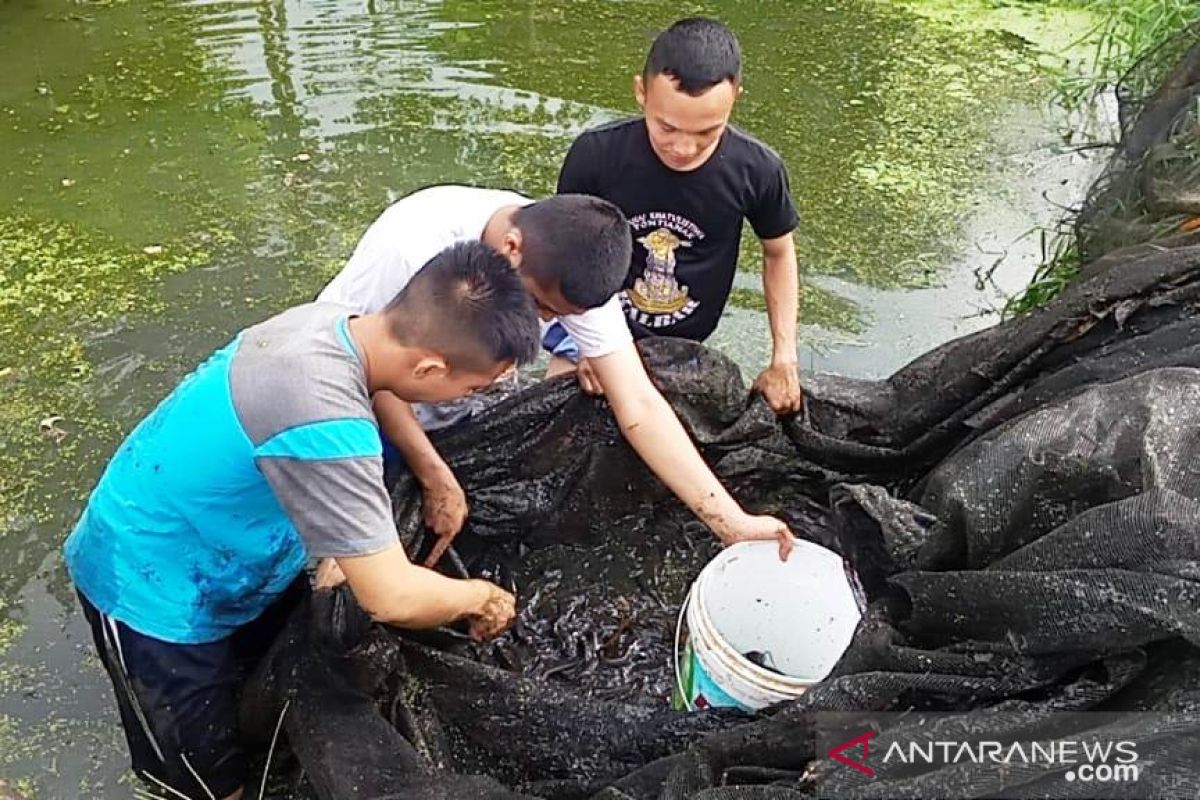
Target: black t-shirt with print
[687,226]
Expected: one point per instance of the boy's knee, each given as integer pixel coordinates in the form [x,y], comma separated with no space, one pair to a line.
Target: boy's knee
[559,366]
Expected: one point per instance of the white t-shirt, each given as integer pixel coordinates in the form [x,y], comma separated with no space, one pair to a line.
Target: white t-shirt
[416,228]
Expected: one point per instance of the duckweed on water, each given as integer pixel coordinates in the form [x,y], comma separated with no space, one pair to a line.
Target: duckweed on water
[882,166]
[817,307]
[57,285]
[10,630]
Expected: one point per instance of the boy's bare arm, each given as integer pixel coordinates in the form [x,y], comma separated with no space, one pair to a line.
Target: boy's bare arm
[395,591]
[779,383]
[443,501]
[655,432]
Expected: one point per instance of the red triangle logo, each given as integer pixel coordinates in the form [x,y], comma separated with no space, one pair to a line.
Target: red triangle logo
[838,753]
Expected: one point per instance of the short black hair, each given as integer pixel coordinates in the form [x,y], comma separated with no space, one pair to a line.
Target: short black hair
[468,304]
[577,242]
[698,53]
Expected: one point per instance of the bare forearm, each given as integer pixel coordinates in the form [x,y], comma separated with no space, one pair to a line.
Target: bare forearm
[781,285]
[428,600]
[420,598]
[652,429]
[656,434]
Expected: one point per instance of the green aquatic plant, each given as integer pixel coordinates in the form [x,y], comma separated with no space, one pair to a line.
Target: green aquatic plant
[57,282]
[1060,264]
[1133,45]
[1126,31]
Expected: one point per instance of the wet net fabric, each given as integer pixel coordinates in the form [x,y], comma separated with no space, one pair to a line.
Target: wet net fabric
[1022,506]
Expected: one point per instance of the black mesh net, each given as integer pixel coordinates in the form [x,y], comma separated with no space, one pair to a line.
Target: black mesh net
[1022,506]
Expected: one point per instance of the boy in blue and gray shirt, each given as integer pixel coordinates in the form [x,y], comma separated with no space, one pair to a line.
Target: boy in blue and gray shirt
[266,456]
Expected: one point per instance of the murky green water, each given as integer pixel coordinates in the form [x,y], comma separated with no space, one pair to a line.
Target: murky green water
[172,171]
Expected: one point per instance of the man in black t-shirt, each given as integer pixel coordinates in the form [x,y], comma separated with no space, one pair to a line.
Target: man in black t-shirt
[687,179]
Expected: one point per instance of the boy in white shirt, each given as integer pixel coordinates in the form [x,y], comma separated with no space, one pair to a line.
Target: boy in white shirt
[572,253]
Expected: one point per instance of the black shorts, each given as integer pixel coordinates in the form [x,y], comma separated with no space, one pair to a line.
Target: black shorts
[179,702]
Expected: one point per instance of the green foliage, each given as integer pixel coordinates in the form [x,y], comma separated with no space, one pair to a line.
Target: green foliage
[1060,264]
[1126,31]
[1133,44]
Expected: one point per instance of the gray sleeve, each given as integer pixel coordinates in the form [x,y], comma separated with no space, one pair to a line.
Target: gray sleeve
[339,506]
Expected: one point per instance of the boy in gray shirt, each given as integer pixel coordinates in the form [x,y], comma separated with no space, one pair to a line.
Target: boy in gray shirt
[264,457]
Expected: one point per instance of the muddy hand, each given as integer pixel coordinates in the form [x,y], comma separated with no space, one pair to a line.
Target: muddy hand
[445,511]
[779,384]
[496,614]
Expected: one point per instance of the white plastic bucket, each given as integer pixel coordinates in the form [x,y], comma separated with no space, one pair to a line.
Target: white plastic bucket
[799,614]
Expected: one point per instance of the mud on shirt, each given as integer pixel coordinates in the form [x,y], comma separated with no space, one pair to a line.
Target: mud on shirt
[687,226]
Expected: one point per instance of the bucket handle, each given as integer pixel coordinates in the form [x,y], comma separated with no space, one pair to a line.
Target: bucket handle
[687,701]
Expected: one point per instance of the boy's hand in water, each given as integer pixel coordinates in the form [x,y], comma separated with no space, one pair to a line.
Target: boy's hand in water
[496,613]
[445,511]
[753,528]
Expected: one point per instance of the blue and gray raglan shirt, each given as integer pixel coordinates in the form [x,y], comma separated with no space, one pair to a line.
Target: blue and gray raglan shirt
[266,455]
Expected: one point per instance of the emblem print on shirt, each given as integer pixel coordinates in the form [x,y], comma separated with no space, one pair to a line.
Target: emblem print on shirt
[657,299]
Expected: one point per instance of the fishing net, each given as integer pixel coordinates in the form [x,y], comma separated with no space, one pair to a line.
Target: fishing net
[1021,505]
[1047,560]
